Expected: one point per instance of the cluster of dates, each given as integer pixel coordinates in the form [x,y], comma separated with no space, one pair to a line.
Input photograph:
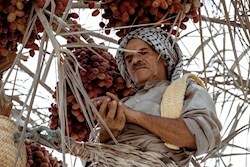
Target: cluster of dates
[14,18]
[38,155]
[99,74]
[164,13]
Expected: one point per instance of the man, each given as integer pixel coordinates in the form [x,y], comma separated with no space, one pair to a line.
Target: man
[150,61]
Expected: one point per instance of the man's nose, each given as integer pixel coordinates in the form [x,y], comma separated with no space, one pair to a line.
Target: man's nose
[136,58]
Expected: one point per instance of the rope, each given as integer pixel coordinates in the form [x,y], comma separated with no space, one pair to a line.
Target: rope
[49,138]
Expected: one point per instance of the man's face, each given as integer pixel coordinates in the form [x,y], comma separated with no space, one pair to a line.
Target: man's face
[143,63]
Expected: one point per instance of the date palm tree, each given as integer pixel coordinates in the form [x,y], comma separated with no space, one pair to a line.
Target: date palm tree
[216,49]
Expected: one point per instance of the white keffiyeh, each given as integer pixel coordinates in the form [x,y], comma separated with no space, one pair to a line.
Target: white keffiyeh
[162,43]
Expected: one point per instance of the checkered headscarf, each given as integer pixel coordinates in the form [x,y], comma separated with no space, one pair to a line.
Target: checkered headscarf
[162,43]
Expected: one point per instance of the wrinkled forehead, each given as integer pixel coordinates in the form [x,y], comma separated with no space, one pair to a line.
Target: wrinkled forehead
[136,45]
[138,39]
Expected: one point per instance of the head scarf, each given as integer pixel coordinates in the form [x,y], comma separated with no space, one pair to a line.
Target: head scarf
[162,43]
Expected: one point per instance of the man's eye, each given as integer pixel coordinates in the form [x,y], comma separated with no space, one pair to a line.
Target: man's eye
[142,53]
[128,59]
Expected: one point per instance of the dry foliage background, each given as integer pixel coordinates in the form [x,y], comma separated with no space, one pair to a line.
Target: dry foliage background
[216,49]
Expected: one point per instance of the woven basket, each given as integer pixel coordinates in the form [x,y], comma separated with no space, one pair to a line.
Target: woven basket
[8,148]
[121,155]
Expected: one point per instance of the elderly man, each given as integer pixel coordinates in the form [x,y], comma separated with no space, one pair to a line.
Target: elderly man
[150,61]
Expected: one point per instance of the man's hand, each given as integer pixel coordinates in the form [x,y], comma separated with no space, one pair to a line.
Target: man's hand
[112,112]
[129,113]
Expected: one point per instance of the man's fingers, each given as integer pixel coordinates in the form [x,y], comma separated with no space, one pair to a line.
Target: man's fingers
[100,99]
[112,96]
[103,108]
[95,104]
[112,110]
[120,114]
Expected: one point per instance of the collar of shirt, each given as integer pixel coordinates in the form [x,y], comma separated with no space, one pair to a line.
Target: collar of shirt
[152,83]
[148,85]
